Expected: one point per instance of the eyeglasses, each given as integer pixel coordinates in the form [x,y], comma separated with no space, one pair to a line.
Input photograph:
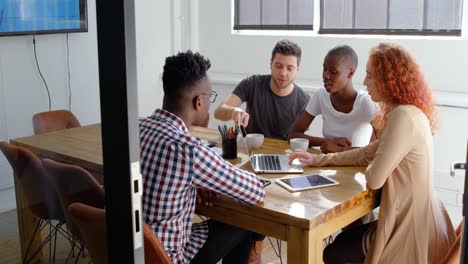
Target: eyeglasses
[212,95]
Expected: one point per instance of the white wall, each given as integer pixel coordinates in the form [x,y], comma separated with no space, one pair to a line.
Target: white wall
[444,60]
[153,45]
[22,93]
[162,30]
[25,94]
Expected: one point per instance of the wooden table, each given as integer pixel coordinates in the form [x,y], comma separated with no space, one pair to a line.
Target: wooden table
[303,219]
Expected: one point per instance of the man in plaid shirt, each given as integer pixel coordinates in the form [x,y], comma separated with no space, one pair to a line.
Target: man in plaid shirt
[177,166]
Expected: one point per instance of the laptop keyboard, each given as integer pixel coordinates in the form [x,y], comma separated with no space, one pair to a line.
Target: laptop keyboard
[269,162]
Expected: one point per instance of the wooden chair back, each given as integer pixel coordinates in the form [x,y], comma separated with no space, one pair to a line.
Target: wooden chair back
[453,256]
[92,225]
[54,120]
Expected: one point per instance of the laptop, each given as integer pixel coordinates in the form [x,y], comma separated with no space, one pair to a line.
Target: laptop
[270,163]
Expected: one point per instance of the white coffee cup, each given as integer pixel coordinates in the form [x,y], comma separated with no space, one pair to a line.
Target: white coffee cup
[254,140]
[299,143]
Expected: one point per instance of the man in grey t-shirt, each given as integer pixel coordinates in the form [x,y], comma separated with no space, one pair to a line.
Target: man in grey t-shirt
[274,102]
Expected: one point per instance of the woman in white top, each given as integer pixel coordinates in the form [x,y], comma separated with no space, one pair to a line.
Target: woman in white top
[346,113]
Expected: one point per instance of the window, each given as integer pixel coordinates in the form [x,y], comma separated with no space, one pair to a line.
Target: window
[274,14]
[421,17]
[403,17]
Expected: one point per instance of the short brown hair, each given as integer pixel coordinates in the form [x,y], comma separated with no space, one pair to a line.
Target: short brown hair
[287,47]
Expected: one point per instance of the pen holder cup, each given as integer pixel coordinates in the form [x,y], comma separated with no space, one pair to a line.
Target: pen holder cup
[229,147]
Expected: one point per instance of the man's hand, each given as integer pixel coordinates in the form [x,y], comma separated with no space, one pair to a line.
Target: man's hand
[240,116]
[304,157]
[207,197]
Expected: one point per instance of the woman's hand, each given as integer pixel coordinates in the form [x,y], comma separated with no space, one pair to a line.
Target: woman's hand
[342,141]
[304,157]
[335,145]
[331,147]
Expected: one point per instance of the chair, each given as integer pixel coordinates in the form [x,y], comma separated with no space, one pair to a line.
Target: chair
[453,256]
[74,184]
[92,225]
[54,120]
[154,250]
[39,196]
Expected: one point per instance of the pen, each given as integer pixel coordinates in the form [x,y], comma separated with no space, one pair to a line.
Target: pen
[242,129]
[239,123]
[220,131]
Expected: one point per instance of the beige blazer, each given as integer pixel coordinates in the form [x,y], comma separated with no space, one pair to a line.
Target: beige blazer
[413,225]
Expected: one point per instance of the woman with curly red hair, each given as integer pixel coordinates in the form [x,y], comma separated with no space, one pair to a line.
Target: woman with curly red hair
[413,226]
[400,81]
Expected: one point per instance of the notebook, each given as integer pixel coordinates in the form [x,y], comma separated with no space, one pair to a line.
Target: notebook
[270,163]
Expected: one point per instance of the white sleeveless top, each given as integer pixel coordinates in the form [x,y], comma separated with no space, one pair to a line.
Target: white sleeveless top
[355,125]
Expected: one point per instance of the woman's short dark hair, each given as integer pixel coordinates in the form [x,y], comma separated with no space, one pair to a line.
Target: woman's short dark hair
[287,47]
[345,51]
[182,72]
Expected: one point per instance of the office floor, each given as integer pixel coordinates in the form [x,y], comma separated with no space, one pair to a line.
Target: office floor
[10,250]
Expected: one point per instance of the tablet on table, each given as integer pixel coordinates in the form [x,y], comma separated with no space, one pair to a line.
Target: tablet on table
[305,182]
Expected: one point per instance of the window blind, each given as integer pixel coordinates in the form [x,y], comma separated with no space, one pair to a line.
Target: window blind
[419,17]
[274,14]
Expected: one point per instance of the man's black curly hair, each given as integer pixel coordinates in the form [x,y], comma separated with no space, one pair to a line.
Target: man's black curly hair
[182,72]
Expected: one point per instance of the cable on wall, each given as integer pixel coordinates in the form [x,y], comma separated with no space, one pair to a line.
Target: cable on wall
[69,76]
[40,73]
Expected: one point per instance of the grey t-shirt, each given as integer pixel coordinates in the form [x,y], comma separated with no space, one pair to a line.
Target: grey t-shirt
[270,114]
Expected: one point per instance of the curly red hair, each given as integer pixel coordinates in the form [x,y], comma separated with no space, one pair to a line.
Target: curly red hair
[400,81]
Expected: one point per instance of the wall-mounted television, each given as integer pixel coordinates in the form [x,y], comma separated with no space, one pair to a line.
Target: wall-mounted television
[24,17]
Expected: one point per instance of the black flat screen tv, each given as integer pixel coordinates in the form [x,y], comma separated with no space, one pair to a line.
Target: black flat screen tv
[25,17]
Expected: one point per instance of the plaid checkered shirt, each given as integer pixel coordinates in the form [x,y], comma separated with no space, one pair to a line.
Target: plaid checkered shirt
[174,164]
